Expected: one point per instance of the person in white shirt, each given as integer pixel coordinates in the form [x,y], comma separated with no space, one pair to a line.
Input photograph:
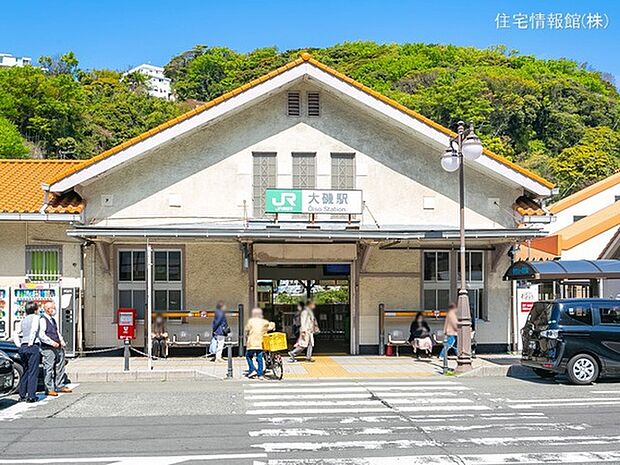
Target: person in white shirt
[26,338]
[52,351]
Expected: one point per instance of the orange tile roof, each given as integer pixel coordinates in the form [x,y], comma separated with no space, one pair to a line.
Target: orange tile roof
[20,186]
[579,231]
[584,194]
[305,57]
[525,206]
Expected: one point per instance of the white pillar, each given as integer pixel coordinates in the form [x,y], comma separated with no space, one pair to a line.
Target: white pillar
[149,302]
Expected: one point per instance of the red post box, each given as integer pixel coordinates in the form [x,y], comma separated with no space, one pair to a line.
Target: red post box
[126,327]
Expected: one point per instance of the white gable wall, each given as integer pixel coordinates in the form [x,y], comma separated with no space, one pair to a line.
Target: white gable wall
[211,171]
[584,208]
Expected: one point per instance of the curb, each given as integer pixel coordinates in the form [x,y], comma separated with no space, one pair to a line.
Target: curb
[515,370]
[139,375]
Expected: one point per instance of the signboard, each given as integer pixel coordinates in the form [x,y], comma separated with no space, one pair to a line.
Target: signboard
[526,298]
[317,201]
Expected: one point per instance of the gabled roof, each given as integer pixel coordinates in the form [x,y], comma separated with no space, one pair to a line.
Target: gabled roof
[584,194]
[20,186]
[577,233]
[305,65]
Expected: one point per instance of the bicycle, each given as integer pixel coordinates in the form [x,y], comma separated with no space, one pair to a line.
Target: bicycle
[273,362]
[273,343]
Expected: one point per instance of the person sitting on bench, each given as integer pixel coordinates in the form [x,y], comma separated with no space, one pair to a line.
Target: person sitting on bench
[420,336]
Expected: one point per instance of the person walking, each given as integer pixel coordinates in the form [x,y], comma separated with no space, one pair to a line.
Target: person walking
[297,320]
[26,338]
[255,329]
[52,351]
[220,330]
[450,330]
[308,327]
[420,336]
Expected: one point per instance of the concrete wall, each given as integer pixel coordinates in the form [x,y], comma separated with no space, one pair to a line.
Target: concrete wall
[15,236]
[212,272]
[401,292]
[211,171]
[404,292]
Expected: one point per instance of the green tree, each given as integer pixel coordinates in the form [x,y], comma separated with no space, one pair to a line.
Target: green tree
[11,142]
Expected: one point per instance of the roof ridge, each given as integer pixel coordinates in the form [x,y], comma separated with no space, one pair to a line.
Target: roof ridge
[38,160]
[598,222]
[304,57]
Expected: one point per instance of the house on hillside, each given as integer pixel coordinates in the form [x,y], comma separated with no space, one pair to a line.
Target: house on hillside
[158,84]
[302,174]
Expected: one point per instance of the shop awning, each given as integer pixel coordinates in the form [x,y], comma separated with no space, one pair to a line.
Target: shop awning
[554,270]
[295,232]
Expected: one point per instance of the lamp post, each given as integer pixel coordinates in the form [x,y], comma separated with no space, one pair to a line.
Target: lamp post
[464,146]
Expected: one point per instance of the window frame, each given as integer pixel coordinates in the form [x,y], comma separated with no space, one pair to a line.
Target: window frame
[601,307]
[318,100]
[258,203]
[43,277]
[296,156]
[158,285]
[288,106]
[335,177]
[435,285]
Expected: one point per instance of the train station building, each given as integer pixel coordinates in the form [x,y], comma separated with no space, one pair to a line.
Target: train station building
[303,175]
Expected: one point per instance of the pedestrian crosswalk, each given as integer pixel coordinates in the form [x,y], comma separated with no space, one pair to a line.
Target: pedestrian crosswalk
[360,419]
[299,398]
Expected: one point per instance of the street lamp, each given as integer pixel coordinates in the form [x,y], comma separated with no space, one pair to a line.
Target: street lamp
[465,145]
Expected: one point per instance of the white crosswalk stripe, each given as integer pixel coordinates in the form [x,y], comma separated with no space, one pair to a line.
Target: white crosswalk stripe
[465,459]
[356,397]
[599,400]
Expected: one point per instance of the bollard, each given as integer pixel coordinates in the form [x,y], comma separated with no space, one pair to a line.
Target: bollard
[126,354]
[229,374]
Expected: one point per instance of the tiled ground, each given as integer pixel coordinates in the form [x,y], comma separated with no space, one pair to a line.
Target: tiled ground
[111,368]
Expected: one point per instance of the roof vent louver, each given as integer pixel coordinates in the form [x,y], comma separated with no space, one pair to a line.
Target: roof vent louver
[293,104]
[314,104]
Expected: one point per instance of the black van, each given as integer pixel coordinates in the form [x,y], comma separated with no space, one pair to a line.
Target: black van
[579,337]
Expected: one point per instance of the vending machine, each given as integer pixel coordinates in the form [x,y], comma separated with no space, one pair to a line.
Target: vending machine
[68,314]
[39,293]
[5,300]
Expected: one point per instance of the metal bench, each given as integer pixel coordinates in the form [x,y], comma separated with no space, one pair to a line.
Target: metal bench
[186,339]
[397,339]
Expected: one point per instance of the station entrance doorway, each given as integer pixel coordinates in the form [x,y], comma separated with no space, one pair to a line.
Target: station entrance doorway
[280,288]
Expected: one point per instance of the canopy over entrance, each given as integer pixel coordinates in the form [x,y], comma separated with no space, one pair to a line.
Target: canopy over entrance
[552,270]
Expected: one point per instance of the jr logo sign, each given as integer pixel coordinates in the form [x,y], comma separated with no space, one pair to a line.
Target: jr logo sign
[283,201]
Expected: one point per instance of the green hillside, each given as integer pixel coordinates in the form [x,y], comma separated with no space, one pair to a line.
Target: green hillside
[555,117]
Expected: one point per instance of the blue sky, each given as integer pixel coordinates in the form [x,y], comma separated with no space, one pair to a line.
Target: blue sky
[121,33]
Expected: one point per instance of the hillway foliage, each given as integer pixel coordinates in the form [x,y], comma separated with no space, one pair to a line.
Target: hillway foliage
[554,117]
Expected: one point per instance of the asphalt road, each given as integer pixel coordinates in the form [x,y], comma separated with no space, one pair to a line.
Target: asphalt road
[369,422]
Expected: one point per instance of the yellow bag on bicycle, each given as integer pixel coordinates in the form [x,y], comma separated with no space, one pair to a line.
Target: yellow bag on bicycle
[274,342]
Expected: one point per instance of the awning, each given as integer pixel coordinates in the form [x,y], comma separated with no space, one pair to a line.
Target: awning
[553,270]
[295,233]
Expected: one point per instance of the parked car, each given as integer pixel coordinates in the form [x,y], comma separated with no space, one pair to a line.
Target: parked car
[578,337]
[7,375]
